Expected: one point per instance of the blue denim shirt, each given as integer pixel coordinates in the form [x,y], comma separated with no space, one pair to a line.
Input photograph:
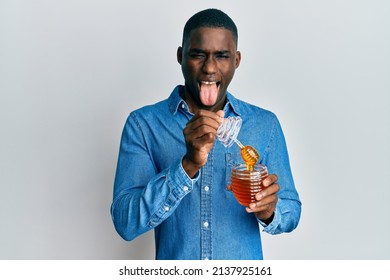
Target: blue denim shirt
[196,218]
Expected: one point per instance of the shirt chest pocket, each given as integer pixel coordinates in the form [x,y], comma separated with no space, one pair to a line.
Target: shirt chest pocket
[231,159]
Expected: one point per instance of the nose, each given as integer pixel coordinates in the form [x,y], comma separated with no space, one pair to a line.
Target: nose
[210,66]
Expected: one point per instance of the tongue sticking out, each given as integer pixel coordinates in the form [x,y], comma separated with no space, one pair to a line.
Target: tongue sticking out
[208,93]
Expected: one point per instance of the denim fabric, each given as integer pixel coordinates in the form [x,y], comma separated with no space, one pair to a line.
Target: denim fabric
[196,218]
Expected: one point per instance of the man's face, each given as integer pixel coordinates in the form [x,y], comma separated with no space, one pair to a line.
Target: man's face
[208,60]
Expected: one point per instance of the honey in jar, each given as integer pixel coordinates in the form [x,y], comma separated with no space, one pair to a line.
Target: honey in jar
[245,183]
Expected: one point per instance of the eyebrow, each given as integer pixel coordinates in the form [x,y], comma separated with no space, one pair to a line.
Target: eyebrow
[197,50]
[223,52]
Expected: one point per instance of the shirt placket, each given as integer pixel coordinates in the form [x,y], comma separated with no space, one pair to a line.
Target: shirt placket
[205,211]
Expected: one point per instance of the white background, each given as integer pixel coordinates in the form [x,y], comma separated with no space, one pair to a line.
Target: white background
[71,71]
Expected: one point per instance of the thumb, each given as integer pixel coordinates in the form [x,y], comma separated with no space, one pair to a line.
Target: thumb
[220,113]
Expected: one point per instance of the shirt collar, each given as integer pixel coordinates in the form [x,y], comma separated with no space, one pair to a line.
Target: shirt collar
[175,102]
[232,104]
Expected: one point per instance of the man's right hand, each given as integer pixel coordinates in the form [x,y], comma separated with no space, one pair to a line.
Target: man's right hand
[200,133]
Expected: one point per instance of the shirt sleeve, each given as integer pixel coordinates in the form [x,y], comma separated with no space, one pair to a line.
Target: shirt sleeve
[142,197]
[288,208]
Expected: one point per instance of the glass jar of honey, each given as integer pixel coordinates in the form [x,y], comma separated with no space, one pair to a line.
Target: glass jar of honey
[246,183]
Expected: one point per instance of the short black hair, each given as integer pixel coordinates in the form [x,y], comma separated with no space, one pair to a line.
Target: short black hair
[213,18]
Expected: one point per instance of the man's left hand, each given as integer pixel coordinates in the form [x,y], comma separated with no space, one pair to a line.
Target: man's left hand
[266,200]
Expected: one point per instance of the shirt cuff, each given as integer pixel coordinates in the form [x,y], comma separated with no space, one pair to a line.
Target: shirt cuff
[180,182]
[272,226]
[180,185]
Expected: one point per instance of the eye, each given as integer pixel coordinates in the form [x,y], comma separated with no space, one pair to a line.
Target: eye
[223,56]
[197,55]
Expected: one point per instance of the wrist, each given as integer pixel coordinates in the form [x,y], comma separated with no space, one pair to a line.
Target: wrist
[268,220]
[190,167]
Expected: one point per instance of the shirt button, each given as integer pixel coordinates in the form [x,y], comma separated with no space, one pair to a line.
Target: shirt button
[206,188]
[166,208]
[185,188]
[206,224]
[182,105]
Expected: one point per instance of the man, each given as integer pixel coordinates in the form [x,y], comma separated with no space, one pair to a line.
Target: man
[173,175]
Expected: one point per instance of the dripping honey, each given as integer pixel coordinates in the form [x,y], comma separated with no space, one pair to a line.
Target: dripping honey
[250,156]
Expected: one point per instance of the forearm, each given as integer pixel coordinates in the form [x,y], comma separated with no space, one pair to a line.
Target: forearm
[136,210]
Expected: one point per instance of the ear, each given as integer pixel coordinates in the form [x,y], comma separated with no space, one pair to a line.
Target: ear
[238,58]
[179,55]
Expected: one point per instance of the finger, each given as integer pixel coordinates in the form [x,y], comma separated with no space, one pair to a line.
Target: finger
[201,125]
[267,204]
[268,208]
[207,117]
[273,189]
[205,113]
[216,115]
[272,178]
[220,113]
[261,209]
[272,199]
[203,134]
